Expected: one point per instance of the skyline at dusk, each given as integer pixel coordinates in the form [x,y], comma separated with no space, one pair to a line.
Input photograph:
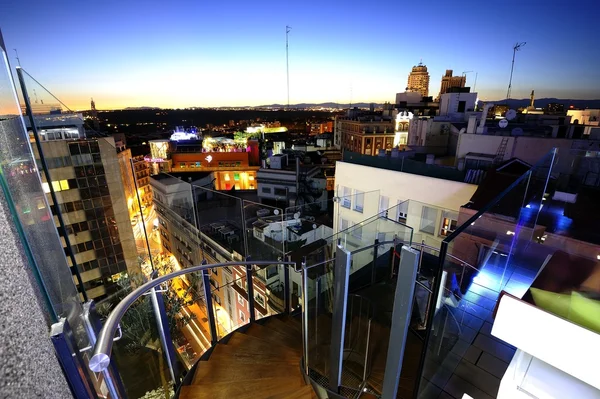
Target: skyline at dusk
[187,54]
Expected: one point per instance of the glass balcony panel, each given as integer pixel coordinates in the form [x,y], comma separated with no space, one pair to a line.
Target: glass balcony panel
[492,250]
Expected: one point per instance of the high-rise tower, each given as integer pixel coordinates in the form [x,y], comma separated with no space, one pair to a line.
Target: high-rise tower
[449,81]
[418,80]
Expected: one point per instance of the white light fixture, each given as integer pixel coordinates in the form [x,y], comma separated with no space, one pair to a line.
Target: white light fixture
[208,158]
[598,257]
[510,233]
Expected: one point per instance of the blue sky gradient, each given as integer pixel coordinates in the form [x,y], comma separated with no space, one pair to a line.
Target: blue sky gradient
[199,53]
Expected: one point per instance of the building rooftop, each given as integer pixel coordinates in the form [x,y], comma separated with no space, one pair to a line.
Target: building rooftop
[405,165]
[303,227]
[179,177]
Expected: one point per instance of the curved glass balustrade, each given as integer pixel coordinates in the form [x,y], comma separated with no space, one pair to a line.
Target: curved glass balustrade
[497,246]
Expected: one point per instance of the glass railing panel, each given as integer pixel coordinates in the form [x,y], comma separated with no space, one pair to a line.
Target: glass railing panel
[372,242]
[80,202]
[230,300]
[139,355]
[189,328]
[490,251]
[319,309]
[319,211]
[268,233]
[219,218]
[98,207]
[269,291]
[358,347]
[21,181]
[353,207]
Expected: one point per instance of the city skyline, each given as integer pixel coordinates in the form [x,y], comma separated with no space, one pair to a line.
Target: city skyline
[208,55]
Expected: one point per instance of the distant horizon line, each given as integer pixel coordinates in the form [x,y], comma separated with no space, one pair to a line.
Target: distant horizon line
[326,104]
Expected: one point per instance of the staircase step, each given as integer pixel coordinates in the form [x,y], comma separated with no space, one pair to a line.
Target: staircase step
[306,392]
[241,355]
[283,328]
[251,344]
[229,370]
[244,389]
[294,322]
[272,336]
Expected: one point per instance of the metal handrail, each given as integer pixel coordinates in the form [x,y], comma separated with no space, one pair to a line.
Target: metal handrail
[418,246]
[365,248]
[102,350]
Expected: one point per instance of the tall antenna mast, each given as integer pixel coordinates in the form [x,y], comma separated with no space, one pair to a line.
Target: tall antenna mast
[516,48]
[287,63]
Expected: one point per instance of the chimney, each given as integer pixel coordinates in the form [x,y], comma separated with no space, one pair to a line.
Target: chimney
[481,127]
[472,124]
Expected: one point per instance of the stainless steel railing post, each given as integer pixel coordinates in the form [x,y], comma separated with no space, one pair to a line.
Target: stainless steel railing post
[111,375]
[343,260]
[160,316]
[250,283]
[210,312]
[367,352]
[305,314]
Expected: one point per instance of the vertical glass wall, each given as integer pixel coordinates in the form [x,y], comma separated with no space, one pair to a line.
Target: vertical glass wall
[496,247]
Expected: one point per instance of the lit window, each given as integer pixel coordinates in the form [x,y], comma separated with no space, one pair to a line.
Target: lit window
[236,176]
[182,164]
[64,185]
[226,177]
[46,187]
[56,186]
[250,177]
[242,316]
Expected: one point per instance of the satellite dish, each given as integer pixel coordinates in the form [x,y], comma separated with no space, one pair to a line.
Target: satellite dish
[276,212]
[297,215]
[463,130]
[511,114]
[517,132]
[503,123]
[314,226]
[336,199]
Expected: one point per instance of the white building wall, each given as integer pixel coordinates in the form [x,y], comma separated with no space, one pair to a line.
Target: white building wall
[449,102]
[381,186]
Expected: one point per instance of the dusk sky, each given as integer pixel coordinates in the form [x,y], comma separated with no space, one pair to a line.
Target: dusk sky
[200,53]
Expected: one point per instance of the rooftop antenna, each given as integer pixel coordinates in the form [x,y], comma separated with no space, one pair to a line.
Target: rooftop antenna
[464,74]
[287,63]
[516,48]
[17,56]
